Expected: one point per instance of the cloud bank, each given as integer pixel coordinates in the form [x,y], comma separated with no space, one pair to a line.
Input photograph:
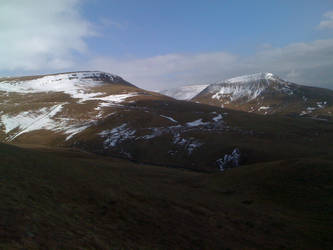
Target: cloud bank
[307,63]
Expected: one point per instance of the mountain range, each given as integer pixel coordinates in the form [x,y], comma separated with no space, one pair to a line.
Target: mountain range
[104,114]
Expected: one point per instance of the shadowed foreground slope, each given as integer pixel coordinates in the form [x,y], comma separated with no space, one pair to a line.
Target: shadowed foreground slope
[74,200]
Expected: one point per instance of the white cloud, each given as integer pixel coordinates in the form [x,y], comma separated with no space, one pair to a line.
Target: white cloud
[158,71]
[41,34]
[328,22]
[308,63]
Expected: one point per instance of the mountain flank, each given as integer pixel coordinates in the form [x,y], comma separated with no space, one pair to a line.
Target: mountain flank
[266,94]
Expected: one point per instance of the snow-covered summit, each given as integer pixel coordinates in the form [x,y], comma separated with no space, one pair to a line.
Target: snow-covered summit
[77,84]
[248,87]
[252,78]
[81,75]
[71,76]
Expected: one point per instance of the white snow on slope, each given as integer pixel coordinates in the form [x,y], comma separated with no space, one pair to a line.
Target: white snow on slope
[44,118]
[169,118]
[217,118]
[189,144]
[193,145]
[253,77]
[248,87]
[231,160]
[263,108]
[196,123]
[77,85]
[31,120]
[76,129]
[117,135]
[112,99]
[239,91]
[155,133]
[184,92]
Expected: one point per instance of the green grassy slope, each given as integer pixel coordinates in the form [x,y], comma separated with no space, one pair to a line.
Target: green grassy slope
[55,199]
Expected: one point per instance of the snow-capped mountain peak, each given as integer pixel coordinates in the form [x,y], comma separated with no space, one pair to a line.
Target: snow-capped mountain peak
[248,87]
[256,84]
[252,78]
[266,93]
[76,84]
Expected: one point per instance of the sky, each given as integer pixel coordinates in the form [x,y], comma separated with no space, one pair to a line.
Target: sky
[158,44]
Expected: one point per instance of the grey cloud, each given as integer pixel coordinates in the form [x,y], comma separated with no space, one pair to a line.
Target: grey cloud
[171,69]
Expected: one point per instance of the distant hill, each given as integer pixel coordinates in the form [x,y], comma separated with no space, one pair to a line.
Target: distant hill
[184,92]
[266,93]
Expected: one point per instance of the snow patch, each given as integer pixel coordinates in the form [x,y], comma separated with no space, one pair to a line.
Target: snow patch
[192,146]
[253,77]
[321,105]
[155,133]
[169,118]
[263,108]
[217,118]
[77,85]
[71,131]
[196,123]
[117,135]
[189,144]
[248,87]
[31,120]
[112,99]
[237,91]
[231,160]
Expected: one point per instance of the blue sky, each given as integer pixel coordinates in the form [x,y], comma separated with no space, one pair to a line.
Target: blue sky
[161,44]
[148,28]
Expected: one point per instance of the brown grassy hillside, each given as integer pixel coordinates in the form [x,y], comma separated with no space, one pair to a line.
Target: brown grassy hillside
[61,199]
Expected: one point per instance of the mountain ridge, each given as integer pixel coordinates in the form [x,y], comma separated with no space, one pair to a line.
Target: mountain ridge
[121,120]
[266,93]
